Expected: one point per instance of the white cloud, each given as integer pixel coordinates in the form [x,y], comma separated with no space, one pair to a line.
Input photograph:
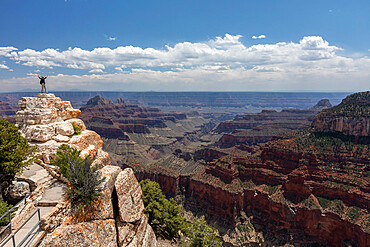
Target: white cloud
[262,36]
[4,51]
[222,63]
[111,38]
[3,66]
[96,71]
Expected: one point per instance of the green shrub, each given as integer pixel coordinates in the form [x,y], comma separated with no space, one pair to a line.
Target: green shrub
[164,215]
[4,207]
[84,179]
[15,152]
[165,218]
[76,128]
[201,234]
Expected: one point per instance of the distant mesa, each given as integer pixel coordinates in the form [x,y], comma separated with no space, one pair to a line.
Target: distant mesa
[97,101]
[321,105]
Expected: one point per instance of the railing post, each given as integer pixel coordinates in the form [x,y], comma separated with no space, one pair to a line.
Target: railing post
[10,221]
[38,212]
[13,241]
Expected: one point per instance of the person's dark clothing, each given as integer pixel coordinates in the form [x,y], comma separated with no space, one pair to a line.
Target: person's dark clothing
[42,80]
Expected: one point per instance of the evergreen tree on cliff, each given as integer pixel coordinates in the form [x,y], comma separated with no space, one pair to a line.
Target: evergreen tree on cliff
[15,153]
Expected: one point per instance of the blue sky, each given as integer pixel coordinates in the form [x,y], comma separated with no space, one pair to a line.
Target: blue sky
[275,45]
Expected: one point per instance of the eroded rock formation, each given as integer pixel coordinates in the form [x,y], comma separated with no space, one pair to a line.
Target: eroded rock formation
[304,187]
[117,217]
[144,134]
[48,122]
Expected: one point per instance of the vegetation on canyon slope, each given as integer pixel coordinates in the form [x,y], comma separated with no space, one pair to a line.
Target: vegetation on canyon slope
[165,216]
[354,105]
[84,178]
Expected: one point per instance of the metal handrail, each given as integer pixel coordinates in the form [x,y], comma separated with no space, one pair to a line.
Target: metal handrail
[9,213]
[28,234]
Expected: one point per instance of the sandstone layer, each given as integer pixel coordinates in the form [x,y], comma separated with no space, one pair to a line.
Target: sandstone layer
[303,188]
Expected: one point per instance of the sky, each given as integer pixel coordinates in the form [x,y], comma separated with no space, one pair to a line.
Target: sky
[185,45]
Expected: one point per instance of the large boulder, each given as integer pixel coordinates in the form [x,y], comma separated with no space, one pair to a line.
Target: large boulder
[138,234]
[131,206]
[17,191]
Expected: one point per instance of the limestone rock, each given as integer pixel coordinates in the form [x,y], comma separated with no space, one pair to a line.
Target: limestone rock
[101,159]
[64,128]
[61,138]
[100,233]
[139,234]
[78,122]
[17,191]
[102,208]
[131,206]
[44,109]
[40,133]
[89,142]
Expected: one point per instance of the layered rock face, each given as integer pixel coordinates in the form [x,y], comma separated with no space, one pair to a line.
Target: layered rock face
[117,217]
[48,122]
[262,127]
[7,111]
[113,120]
[351,117]
[304,187]
[142,134]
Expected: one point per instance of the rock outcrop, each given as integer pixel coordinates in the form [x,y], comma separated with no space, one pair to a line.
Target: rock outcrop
[48,122]
[351,117]
[117,217]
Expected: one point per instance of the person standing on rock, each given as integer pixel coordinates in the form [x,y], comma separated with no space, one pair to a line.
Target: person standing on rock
[42,83]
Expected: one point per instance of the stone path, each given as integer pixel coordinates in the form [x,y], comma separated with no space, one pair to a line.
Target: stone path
[37,174]
[53,192]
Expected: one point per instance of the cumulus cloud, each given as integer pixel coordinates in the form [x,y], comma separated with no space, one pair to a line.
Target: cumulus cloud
[3,66]
[226,51]
[262,36]
[201,64]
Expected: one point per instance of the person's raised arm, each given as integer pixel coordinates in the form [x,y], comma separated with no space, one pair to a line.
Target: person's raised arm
[46,76]
[38,76]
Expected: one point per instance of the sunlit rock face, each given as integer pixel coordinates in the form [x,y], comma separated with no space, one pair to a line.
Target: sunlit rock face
[48,122]
[117,217]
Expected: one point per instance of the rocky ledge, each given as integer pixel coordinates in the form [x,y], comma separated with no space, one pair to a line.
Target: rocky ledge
[48,122]
[117,217]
